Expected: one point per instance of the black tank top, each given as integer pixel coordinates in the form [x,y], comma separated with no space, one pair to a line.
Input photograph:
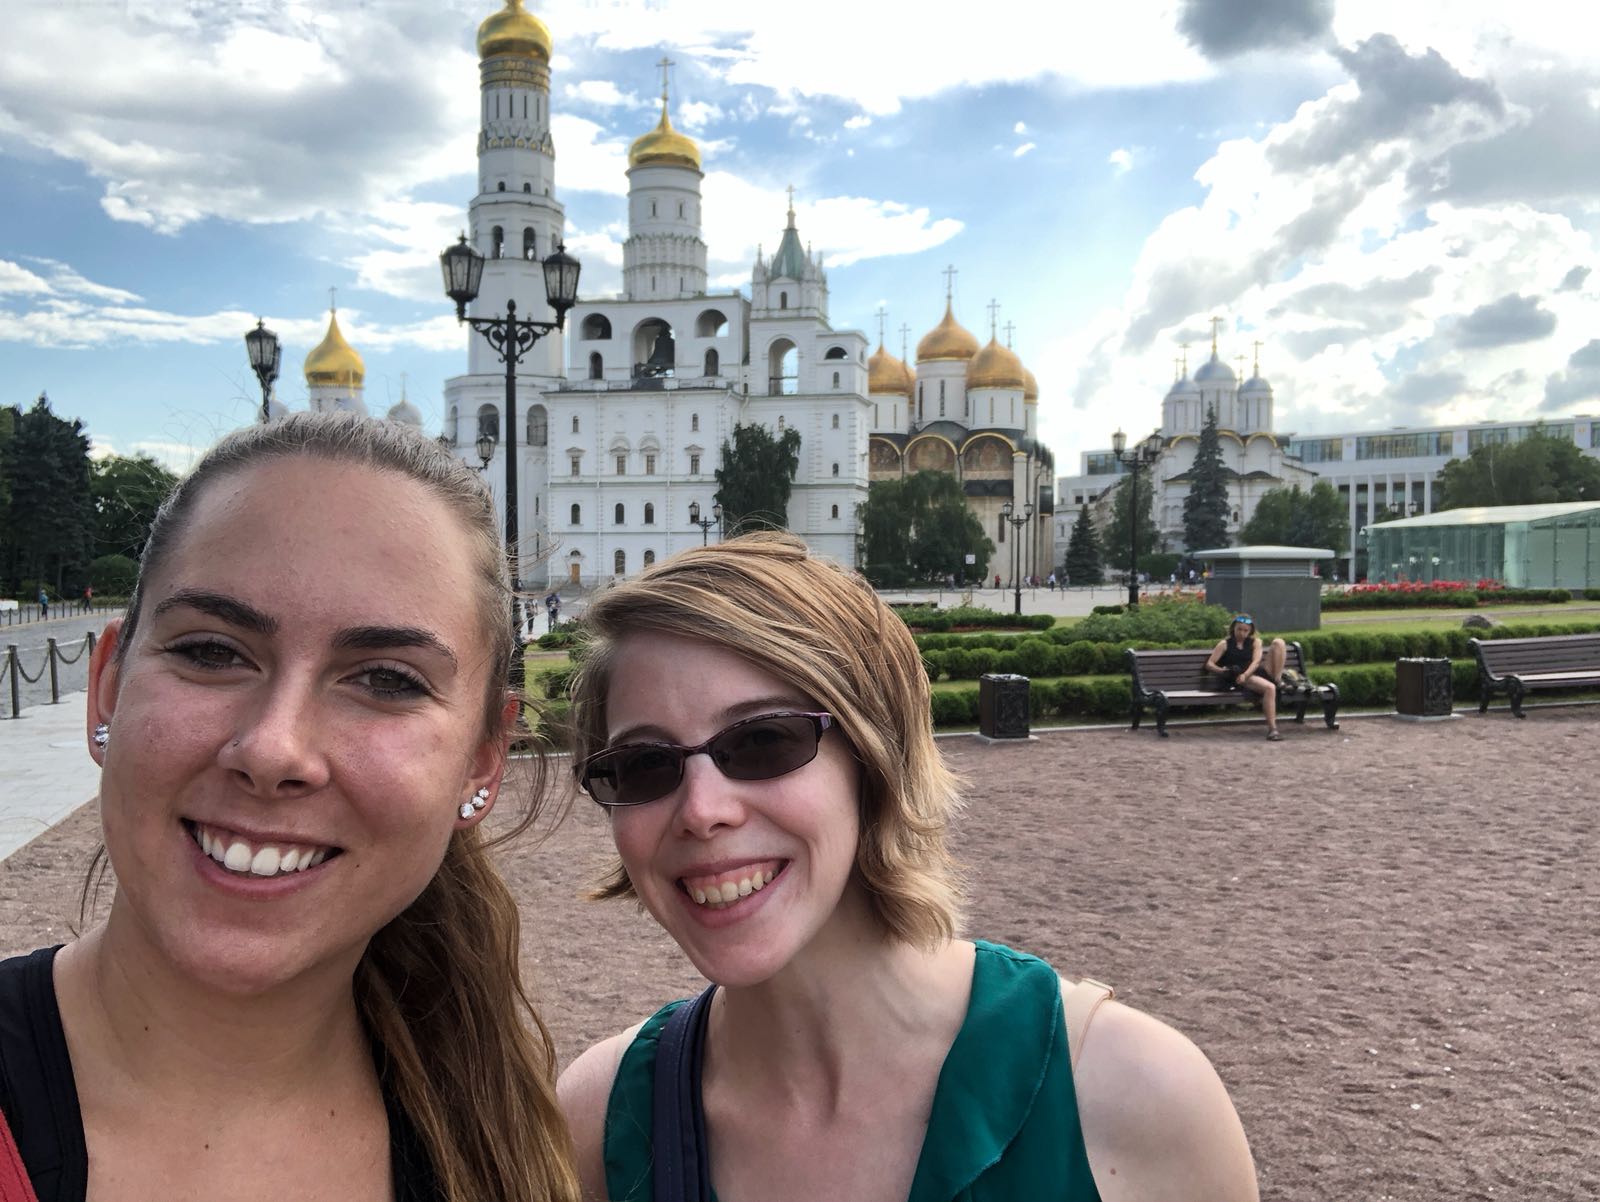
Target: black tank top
[40,1097]
[1236,657]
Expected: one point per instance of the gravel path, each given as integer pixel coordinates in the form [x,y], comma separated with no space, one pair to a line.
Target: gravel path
[1387,937]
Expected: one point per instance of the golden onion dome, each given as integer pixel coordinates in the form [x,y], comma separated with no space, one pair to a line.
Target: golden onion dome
[887,374]
[947,340]
[664,146]
[335,361]
[514,31]
[995,366]
[1030,387]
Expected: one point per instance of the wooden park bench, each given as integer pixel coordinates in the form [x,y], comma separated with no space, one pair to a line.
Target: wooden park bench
[1517,666]
[1163,680]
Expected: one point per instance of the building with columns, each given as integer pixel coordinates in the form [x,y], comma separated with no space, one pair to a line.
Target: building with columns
[612,454]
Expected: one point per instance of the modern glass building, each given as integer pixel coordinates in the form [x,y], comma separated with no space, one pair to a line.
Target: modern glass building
[1522,546]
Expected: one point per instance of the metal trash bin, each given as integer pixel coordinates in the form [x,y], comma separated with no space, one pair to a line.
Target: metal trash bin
[1003,706]
[1423,688]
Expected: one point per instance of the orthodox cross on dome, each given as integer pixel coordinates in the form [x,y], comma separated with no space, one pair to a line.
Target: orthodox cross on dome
[333,300]
[402,386]
[1215,322]
[666,65]
[1239,359]
[994,317]
[1258,359]
[883,316]
[949,274]
[1009,328]
[790,190]
[1184,347]
[1177,371]
[905,332]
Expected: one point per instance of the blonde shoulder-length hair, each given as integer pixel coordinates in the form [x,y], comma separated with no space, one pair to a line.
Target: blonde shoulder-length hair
[822,631]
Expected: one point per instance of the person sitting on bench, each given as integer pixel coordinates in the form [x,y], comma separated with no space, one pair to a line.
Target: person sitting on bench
[1239,658]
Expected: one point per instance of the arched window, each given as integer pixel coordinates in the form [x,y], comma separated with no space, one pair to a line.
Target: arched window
[835,512]
[836,352]
[712,364]
[649,558]
[652,208]
[528,243]
[836,379]
[836,418]
[597,367]
[577,514]
[694,422]
[619,563]
[712,323]
[538,426]
[836,469]
[502,186]
[453,426]
[575,423]
[488,422]
[783,368]
[596,328]
[618,518]
[649,514]
[497,238]
[780,423]
[783,300]
[527,187]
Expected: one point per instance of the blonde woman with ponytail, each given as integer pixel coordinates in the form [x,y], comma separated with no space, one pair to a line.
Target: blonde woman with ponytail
[307,982]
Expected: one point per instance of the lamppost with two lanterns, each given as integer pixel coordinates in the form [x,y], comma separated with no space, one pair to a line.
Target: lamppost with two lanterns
[705,524]
[1136,459]
[1016,523]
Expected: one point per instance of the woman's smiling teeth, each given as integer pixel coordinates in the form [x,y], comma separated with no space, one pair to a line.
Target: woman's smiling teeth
[724,888]
[239,855]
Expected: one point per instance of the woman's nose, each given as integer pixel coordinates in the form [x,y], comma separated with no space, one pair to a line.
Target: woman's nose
[277,749]
[707,800]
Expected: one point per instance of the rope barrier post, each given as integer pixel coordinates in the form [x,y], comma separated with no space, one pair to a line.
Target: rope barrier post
[55,682]
[16,685]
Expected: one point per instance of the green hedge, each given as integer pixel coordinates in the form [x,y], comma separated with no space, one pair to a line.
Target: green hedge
[1449,598]
[970,616]
[1164,620]
[1364,647]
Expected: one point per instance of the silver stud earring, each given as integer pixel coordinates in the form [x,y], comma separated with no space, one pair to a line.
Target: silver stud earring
[480,800]
[466,810]
[102,735]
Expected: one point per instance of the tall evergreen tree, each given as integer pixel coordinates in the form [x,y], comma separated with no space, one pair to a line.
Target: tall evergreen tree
[918,530]
[1205,509]
[1116,537]
[756,476]
[51,535]
[1083,552]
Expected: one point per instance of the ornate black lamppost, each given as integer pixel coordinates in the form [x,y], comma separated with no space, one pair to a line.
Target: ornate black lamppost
[512,337]
[265,354]
[486,445]
[1017,523]
[1135,460]
[705,524]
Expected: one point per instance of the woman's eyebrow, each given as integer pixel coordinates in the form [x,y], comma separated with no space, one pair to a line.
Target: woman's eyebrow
[376,638]
[219,605]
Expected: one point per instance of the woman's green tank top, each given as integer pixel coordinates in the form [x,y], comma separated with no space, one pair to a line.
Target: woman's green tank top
[1004,1123]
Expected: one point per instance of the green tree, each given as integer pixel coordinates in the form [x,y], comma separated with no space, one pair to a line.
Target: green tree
[1083,551]
[1115,538]
[1205,509]
[1535,471]
[8,471]
[756,476]
[919,529]
[127,492]
[1294,517]
[51,524]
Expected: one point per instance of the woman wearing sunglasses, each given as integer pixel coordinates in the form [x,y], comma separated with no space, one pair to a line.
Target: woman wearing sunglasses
[1244,663]
[756,723]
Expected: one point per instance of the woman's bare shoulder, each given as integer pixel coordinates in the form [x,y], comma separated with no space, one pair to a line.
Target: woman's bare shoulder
[584,1091]
[1157,1120]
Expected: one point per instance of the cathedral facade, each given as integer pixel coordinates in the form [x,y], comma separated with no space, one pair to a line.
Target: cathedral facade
[613,454]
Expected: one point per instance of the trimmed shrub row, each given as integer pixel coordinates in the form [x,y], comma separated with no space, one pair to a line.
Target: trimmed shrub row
[971,616]
[1365,647]
[1449,598]
[1032,657]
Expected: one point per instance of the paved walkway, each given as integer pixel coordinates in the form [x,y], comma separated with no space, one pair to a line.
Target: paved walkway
[45,770]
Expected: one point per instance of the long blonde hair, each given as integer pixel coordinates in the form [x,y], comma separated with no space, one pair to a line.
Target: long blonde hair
[825,632]
[440,986]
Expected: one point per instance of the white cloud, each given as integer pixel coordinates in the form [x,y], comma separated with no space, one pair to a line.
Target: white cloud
[697,114]
[16,278]
[1121,160]
[1020,127]
[602,93]
[590,159]
[1023,149]
[859,121]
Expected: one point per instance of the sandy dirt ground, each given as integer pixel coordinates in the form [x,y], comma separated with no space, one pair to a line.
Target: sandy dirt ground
[1386,937]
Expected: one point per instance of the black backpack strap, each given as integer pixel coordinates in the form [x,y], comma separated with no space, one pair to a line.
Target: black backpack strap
[678,1121]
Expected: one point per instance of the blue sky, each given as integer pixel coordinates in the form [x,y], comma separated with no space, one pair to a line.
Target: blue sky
[1400,201]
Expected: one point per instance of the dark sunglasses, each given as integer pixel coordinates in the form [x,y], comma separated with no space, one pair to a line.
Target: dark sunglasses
[759,748]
